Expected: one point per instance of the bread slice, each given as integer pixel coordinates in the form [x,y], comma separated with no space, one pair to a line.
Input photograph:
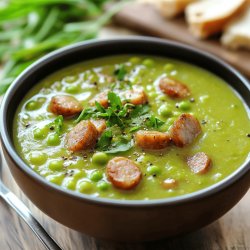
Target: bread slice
[168,8]
[208,17]
[237,32]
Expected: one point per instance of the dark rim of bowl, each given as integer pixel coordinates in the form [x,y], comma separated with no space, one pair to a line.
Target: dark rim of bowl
[6,138]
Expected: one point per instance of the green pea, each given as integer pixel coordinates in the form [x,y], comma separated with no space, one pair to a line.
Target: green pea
[38,158]
[168,67]
[165,111]
[134,60]
[103,186]
[184,105]
[162,98]
[85,187]
[71,185]
[100,158]
[72,89]
[153,170]
[56,179]
[56,165]
[152,94]
[71,79]
[164,127]
[32,105]
[39,133]
[96,176]
[79,175]
[53,140]
[148,63]
[41,100]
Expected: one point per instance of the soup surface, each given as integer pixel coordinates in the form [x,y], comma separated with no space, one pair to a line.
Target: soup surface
[178,128]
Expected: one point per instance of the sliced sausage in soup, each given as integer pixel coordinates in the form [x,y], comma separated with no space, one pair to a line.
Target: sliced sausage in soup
[152,140]
[184,130]
[65,105]
[173,88]
[123,173]
[199,163]
[82,137]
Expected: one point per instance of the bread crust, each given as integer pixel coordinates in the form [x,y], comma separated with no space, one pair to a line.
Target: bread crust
[168,8]
[237,32]
[209,17]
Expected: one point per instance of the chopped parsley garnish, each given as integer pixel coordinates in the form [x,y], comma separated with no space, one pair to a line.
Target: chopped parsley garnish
[86,114]
[57,124]
[122,120]
[122,145]
[115,101]
[154,122]
[105,140]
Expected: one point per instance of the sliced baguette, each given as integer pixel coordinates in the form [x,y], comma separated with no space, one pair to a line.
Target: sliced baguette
[208,17]
[237,32]
[168,8]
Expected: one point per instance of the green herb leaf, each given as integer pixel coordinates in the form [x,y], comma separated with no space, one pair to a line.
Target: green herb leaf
[58,123]
[140,110]
[121,146]
[115,101]
[105,140]
[121,72]
[99,107]
[134,129]
[154,122]
[86,114]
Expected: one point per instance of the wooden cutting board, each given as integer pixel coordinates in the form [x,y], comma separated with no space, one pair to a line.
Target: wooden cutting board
[145,19]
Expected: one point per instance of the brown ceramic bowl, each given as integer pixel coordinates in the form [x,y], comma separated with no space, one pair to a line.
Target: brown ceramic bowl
[115,219]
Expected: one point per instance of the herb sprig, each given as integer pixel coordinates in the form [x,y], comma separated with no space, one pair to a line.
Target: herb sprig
[32,28]
[57,125]
[122,120]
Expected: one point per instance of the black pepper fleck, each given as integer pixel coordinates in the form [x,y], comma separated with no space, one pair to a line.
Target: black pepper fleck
[203,122]
[192,100]
[248,135]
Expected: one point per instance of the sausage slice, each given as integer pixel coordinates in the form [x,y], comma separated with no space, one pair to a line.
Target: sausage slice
[199,163]
[123,173]
[100,125]
[152,139]
[173,88]
[83,136]
[136,96]
[65,105]
[184,130]
[102,98]
[169,183]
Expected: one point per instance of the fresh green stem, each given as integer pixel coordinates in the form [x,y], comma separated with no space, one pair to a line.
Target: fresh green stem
[48,24]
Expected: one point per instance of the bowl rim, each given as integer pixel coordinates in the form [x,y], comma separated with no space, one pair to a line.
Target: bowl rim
[10,149]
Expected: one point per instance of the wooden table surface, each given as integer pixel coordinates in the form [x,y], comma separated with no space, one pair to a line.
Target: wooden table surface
[231,232]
